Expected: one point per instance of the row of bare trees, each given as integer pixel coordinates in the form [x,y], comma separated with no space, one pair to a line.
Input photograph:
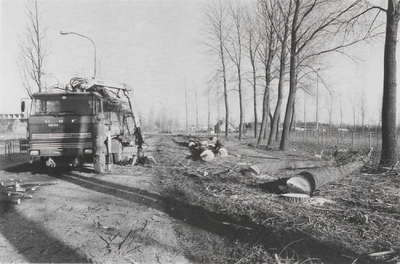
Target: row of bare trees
[287,41]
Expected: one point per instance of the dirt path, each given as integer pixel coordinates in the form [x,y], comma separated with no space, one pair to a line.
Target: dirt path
[117,217]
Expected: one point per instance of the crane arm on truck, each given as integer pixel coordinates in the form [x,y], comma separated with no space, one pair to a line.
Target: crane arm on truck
[88,84]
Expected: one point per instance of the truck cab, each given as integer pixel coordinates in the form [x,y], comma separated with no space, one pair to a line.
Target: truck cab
[71,128]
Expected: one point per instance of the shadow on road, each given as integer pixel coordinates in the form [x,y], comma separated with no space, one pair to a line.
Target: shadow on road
[33,241]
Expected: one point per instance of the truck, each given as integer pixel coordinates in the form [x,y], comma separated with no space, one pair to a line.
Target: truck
[88,121]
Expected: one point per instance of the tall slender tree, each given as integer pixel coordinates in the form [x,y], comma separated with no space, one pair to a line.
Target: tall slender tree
[252,37]
[280,22]
[235,52]
[217,33]
[319,27]
[389,133]
[267,53]
[33,49]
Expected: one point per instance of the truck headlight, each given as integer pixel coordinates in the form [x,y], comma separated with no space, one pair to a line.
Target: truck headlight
[34,152]
[88,151]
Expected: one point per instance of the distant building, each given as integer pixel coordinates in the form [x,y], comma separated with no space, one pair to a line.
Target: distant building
[301,126]
[13,123]
[220,127]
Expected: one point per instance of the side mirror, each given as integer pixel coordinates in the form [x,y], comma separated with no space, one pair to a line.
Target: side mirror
[22,106]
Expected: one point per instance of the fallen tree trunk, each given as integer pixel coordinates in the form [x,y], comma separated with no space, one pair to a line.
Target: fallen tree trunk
[307,182]
[274,166]
[28,182]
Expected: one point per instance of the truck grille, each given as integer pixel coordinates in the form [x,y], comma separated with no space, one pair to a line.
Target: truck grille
[61,135]
[57,145]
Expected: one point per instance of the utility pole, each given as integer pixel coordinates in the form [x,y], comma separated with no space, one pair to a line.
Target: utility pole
[186,103]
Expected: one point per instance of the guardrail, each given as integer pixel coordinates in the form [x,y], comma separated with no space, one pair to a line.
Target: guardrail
[13,146]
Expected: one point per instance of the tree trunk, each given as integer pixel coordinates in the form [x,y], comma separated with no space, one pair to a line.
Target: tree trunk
[282,66]
[293,121]
[225,92]
[241,115]
[292,84]
[389,137]
[277,127]
[254,94]
[264,115]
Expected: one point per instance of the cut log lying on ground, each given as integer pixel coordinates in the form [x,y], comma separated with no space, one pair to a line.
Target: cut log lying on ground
[16,199]
[250,154]
[12,200]
[273,166]
[28,182]
[12,191]
[308,164]
[307,182]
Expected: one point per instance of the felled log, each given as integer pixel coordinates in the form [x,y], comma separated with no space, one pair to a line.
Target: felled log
[273,166]
[27,183]
[307,182]
[250,154]
[207,155]
[307,164]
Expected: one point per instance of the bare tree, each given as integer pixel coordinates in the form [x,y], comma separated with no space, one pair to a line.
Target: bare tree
[197,110]
[354,108]
[319,27]
[280,22]
[341,117]
[186,111]
[33,50]
[330,111]
[363,110]
[389,135]
[293,74]
[253,43]
[216,15]
[235,53]
[267,53]
[208,112]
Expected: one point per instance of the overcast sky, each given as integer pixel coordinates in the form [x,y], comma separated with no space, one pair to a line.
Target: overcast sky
[154,46]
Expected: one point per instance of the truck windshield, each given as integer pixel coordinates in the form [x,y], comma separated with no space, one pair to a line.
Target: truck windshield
[64,105]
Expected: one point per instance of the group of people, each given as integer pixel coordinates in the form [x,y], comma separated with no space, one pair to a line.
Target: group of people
[207,149]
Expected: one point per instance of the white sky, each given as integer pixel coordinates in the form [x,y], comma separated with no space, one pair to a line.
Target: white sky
[153,46]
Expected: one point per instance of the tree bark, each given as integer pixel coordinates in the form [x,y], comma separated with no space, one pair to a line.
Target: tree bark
[282,67]
[389,136]
[241,114]
[293,80]
[225,94]
[253,65]
[265,111]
